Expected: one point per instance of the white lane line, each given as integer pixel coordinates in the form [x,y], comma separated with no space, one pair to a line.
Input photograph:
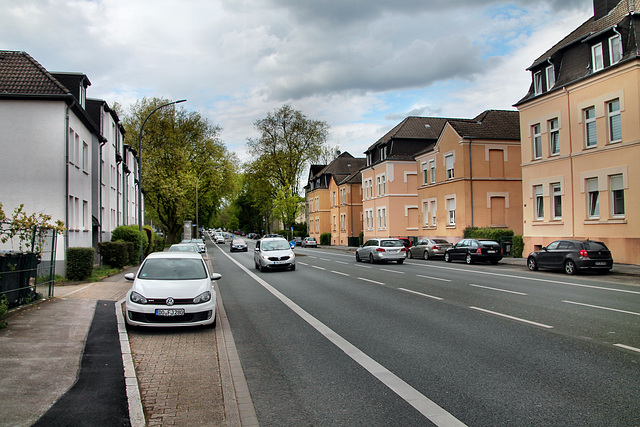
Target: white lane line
[372,281]
[432,278]
[324,259]
[421,294]
[542,325]
[319,268]
[392,271]
[603,308]
[303,263]
[627,347]
[340,273]
[363,266]
[496,289]
[341,262]
[436,414]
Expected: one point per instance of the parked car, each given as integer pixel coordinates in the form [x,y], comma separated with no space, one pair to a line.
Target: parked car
[429,248]
[406,242]
[172,289]
[238,244]
[274,253]
[572,256]
[474,250]
[184,247]
[309,242]
[298,240]
[379,250]
[198,242]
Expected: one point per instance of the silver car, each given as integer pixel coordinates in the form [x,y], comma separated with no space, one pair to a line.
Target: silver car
[378,250]
[429,248]
[274,253]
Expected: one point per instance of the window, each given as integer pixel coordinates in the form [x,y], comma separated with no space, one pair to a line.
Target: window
[556,191]
[593,199]
[551,76]
[335,223]
[615,49]
[85,215]
[381,182]
[432,170]
[448,162]
[617,195]
[433,213]
[425,173]
[85,156]
[539,202]
[383,152]
[382,218]
[429,208]
[554,137]
[537,142]
[334,199]
[615,123]
[537,83]
[590,127]
[451,211]
[597,60]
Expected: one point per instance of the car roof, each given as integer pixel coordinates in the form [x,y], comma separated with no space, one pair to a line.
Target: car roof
[154,255]
[273,238]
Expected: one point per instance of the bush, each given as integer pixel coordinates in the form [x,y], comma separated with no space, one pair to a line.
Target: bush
[116,254]
[486,233]
[79,263]
[130,233]
[518,246]
[325,239]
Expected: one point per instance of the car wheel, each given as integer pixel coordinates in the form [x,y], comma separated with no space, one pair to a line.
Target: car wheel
[400,261]
[426,254]
[293,267]
[409,255]
[256,265]
[371,258]
[468,259]
[447,257]
[570,267]
[262,268]
[532,264]
[358,259]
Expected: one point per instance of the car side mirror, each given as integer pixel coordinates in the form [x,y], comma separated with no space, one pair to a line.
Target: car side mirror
[216,276]
[544,248]
[129,276]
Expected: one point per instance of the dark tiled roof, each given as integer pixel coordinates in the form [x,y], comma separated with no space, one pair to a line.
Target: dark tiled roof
[20,74]
[491,124]
[415,128]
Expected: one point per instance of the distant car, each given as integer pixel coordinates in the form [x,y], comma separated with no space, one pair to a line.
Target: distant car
[201,245]
[184,247]
[474,250]
[172,289]
[238,245]
[382,250]
[298,240]
[219,239]
[274,253]
[429,248]
[572,256]
[309,242]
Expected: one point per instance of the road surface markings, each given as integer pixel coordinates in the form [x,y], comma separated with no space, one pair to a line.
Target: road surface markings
[341,262]
[372,281]
[436,414]
[496,289]
[432,278]
[340,273]
[324,259]
[392,271]
[421,294]
[363,266]
[303,263]
[603,308]
[319,268]
[542,325]
[627,347]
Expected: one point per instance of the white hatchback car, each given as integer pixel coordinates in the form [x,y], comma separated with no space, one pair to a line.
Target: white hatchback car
[274,253]
[172,289]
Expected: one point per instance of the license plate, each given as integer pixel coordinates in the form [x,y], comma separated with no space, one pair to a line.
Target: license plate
[491,251]
[393,251]
[279,262]
[170,312]
[601,263]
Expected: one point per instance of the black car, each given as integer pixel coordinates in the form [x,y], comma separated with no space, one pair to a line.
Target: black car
[572,256]
[475,250]
[238,245]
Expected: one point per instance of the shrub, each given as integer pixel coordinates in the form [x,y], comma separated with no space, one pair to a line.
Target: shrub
[79,263]
[130,233]
[518,246]
[325,239]
[116,254]
[486,233]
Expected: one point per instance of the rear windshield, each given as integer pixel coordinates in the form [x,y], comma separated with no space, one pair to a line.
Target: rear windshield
[439,241]
[391,243]
[595,246]
[488,242]
[173,269]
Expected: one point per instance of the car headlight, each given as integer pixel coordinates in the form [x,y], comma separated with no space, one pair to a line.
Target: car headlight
[203,297]
[137,298]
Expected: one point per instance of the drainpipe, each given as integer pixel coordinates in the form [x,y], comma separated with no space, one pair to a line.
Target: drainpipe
[66,180]
[471,179]
[573,202]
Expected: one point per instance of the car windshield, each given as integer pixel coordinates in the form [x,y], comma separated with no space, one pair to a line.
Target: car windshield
[173,269]
[391,243]
[275,245]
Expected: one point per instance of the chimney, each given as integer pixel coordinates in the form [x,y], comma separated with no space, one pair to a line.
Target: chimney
[601,8]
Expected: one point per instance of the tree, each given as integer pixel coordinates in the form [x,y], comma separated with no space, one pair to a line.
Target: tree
[286,206]
[288,142]
[180,150]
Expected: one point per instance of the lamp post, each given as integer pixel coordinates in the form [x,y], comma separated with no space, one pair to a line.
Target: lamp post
[198,182]
[140,169]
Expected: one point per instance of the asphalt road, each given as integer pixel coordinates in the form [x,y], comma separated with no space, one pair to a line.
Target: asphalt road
[431,343]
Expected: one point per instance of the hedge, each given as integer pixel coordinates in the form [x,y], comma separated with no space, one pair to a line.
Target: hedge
[517,247]
[325,239]
[116,254]
[79,263]
[131,233]
[487,233]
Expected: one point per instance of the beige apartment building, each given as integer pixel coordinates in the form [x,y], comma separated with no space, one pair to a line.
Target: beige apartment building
[581,136]
[346,208]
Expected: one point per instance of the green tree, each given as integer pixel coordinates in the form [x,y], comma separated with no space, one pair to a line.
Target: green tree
[286,206]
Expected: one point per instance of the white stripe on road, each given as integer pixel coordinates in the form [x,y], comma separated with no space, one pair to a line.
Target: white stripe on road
[392,271]
[341,262]
[319,268]
[432,278]
[364,266]
[627,347]
[420,293]
[372,281]
[496,289]
[603,308]
[437,415]
[340,273]
[542,325]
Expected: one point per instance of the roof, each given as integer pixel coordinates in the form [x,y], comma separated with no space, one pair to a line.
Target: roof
[413,127]
[20,74]
[340,168]
[491,124]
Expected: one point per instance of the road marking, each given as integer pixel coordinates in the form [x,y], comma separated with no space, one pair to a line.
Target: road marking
[303,263]
[324,259]
[627,347]
[341,262]
[340,273]
[436,414]
[392,271]
[421,294]
[319,268]
[432,278]
[496,289]
[603,308]
[372,281]
[363,266]
[542,325]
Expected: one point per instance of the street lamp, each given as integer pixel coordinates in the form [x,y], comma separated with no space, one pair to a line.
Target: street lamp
[140,170]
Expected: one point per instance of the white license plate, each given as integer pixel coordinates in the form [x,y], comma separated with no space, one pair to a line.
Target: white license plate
[279,262]
[491,252]
[601,263]
[170,312]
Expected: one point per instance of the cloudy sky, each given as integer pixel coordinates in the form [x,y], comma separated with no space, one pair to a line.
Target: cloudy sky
[360,65]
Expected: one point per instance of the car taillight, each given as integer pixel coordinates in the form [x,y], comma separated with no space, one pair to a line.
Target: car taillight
[435,247]
[380,250]
[584,253]
[404,249]
[479,251]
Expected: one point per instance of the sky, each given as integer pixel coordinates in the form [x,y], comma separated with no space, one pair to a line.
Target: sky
[362,66]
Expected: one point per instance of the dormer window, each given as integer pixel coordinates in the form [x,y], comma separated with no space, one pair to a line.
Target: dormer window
[597,60]
[551,76]
[537,82]
[615,49]
[83,95]
[383,152]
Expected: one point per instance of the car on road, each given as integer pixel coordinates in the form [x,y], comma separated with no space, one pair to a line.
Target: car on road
[184,247]
[172,289]
[474,250]
[572,256]
[274,253]
[309,242]
[219,239]
[429,248]
[382,250]
[238,245]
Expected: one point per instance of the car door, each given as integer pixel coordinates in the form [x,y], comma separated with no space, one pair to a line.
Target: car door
[256,252]
[417,251]
[549,257]
[460,249]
